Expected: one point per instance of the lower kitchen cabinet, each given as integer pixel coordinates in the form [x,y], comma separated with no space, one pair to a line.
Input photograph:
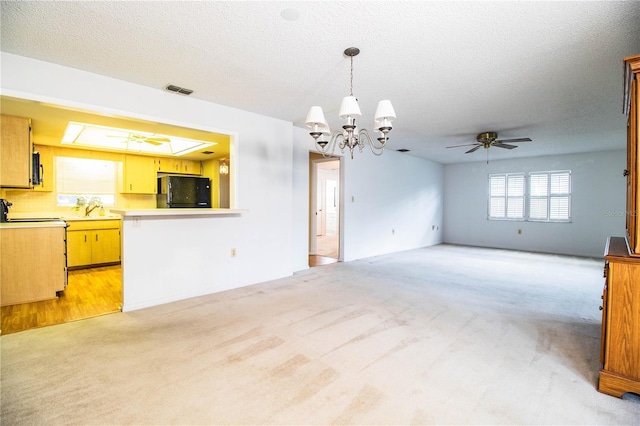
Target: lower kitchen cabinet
[32,263]
[93,242]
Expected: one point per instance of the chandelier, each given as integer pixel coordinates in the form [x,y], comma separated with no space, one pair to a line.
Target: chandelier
[351,136]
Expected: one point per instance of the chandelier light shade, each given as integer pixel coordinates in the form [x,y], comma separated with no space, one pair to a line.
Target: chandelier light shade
[350,136]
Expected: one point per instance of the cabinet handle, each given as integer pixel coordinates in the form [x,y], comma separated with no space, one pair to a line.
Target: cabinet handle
[96,237]
[85,238]
[130,187]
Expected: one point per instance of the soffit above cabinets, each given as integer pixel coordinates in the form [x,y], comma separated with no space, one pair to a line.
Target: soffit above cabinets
[50,122]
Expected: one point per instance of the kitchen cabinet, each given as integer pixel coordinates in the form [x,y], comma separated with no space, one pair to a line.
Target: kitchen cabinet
[32,262]
[93,242]
[172,165]
[46,172]
[15,152]
[190,167]
[139,175]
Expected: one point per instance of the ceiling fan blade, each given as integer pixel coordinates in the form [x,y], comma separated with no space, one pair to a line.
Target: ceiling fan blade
[515,140]
[458,146]
[473,149]
[503,145]
[159,140]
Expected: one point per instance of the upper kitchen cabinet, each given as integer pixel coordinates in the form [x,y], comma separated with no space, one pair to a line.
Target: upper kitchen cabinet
[15,152]
[172,165]
[139,175]
[190,167]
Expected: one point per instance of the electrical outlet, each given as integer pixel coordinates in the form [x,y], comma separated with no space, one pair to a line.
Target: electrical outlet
[233,252]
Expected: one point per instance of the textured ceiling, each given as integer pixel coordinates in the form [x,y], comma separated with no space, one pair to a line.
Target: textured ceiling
[551,71]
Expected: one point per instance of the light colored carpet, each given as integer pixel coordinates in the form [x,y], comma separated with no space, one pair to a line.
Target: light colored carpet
[441,335]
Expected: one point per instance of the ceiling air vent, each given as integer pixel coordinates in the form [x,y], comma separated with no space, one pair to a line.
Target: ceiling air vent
[402,150]
[178,89]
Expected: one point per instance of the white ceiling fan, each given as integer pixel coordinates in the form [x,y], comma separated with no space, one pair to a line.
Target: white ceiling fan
[153,140]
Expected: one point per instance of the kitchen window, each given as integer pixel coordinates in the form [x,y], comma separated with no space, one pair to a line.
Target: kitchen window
[85,178]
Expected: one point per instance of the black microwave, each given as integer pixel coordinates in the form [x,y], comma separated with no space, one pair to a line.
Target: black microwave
[37,171]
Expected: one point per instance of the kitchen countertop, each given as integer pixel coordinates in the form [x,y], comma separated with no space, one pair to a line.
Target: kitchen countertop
[127,213]
[23,216]
[110,216]
[19,225]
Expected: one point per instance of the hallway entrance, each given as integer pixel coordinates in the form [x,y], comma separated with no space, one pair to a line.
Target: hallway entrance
[324,203]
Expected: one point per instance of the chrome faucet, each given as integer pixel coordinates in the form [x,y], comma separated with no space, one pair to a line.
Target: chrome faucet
[93,203]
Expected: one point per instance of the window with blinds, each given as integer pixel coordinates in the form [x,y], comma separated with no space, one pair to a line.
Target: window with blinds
[506,196]
[548,195]
[86,178]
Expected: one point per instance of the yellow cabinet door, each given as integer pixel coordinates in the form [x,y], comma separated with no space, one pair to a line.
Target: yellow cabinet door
[78,248]
[190,167]
[15,152]
[139,175]
[105,246]
[167,165]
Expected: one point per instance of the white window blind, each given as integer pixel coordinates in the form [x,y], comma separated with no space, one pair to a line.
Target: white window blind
[550,196]
[506,196]
[82,177]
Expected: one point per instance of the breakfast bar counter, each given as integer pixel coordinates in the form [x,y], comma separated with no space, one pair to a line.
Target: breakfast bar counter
[178,253]
[127,213]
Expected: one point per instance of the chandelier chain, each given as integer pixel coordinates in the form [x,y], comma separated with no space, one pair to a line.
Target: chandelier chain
[351,81]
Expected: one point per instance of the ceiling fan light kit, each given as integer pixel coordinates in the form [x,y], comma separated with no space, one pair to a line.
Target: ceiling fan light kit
[350,136]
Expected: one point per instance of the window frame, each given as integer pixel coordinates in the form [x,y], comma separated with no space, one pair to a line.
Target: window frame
[507,198]
[65,198]
[550,196]
[527,198]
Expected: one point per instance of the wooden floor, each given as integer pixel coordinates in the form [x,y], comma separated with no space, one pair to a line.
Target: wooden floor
[315,260]
[90,292]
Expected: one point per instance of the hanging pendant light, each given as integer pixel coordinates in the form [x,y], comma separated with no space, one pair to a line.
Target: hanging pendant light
[350,136]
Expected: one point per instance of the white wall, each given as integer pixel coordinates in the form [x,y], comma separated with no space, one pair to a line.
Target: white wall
[391,203]
[395,192]
[598,205]
[300,202]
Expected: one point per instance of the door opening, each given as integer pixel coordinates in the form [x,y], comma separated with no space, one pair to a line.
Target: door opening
[324,192]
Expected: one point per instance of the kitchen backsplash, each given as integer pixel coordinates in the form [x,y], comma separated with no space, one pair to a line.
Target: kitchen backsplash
[45,202]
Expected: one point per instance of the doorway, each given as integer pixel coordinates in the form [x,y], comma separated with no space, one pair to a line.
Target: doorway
[324,203]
